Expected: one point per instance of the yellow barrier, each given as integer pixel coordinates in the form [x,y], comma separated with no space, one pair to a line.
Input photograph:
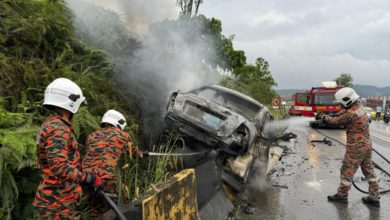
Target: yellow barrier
[173,199]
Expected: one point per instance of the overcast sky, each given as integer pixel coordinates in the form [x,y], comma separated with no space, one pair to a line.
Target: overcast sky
[310,41]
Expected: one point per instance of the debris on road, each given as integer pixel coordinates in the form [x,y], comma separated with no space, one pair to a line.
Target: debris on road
[249,210]
[280,186]
[325,141]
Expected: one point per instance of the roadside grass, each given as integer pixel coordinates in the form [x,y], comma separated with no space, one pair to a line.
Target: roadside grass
[139,175]
[279,113]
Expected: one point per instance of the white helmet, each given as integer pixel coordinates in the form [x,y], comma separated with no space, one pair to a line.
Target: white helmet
[346,96]
[114,118]
[65,94]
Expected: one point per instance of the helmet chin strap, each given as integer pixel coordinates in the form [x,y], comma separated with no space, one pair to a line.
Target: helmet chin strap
[71,116]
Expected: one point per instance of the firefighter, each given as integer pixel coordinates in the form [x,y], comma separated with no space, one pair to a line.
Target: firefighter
[104,149]
[359,147]
[58,154]
[378,112]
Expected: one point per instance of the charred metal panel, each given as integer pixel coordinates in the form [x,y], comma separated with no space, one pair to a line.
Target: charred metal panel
[217,118]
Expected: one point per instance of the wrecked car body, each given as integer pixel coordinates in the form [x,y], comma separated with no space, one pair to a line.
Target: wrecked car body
[217,119]
[221,134]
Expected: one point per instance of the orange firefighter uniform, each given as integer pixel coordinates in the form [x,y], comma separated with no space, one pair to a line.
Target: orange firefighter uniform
[358,150]
[104,149]
[58,160]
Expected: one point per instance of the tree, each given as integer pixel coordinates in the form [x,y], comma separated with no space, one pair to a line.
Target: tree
[345,79]
[189,7]
[253,80]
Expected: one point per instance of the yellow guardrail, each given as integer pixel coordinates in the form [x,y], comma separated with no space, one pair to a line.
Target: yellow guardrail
[173,199]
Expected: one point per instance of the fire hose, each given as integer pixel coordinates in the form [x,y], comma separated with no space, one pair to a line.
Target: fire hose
[209,153]
[376,165]
[149,153]
[112,204]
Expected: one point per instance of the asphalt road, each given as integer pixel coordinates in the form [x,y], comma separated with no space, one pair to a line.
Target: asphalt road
[298,187]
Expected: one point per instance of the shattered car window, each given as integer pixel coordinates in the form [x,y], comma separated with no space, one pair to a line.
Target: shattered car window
[202,116]
[230,101]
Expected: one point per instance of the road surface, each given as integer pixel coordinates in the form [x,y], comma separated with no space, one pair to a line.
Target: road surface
[311,172]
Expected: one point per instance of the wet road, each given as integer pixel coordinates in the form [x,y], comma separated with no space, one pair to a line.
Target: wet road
[311,172]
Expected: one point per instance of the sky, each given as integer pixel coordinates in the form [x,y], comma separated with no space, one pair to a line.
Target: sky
[307,42]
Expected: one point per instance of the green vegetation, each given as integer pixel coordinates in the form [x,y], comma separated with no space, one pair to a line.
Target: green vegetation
[38,43]
[17,152]
[345,79]
[279,114]
[253,80]
[140,175]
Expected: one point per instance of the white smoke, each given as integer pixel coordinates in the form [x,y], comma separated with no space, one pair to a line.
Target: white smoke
[166,56]
[139,14]
[258,180]
[276,128]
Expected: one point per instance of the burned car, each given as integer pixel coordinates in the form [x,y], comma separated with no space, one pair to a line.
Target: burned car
[217,119]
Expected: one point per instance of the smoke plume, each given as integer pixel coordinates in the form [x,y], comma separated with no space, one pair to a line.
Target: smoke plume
[166,56]
[139,14]
[276,128]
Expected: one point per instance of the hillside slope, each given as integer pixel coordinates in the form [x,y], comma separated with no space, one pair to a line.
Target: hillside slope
[38,45]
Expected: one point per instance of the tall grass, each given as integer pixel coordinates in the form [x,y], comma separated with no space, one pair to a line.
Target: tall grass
[139,175]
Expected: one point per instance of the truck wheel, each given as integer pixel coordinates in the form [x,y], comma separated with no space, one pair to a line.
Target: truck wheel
[314,124]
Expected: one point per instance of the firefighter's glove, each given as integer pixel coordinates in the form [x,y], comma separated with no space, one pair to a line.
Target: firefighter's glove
[92,180]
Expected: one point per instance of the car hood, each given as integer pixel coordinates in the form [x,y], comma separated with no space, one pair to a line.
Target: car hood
[206,115]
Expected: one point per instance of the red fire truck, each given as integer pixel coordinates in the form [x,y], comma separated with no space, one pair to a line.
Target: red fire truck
[317,100]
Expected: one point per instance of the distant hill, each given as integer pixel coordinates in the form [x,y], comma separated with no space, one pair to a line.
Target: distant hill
[362,90]
[366,90]
[286,92]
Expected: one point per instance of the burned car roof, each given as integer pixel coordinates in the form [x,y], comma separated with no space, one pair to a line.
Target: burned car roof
[233,92]
[231,99]
[215,115]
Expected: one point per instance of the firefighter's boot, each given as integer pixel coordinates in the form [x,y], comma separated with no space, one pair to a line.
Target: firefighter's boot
[370,201]
[337,198]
